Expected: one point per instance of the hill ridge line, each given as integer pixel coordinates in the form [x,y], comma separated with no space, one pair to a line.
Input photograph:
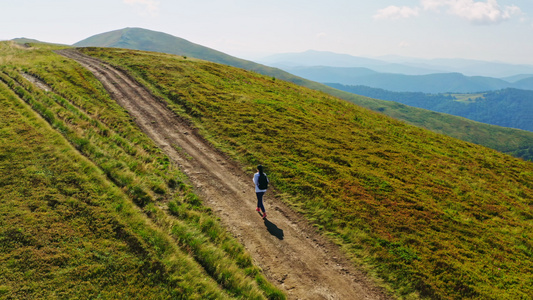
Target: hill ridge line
[293,256]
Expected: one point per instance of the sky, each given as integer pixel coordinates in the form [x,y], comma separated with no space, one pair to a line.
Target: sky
[490,30]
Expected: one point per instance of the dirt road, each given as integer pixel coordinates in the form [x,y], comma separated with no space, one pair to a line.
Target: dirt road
[292,255]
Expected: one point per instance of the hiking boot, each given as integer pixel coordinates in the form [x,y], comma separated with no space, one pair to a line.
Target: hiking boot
[258,209]
[264,215]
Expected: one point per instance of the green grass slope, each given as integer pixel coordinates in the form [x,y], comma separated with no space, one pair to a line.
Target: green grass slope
[508,107]
[512,141]
[61,236]
[91,208]
[433,216]
[516,142]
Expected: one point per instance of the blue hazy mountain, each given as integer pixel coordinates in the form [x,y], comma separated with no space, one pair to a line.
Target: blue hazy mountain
[398,64]
[405,74]
[313,58]
[431,83]
[508,107]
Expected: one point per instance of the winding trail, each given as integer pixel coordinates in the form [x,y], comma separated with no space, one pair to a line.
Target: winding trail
[293,256]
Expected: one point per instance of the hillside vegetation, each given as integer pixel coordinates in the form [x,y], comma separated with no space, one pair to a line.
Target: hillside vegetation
[507,108]
[501,139]
[431,215]
[91,208]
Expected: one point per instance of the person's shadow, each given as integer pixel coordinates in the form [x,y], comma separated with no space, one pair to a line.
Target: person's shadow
[274,230]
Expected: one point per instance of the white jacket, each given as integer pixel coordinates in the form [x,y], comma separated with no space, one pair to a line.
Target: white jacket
[256,182]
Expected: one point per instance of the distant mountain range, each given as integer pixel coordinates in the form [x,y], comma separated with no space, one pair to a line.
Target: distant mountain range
[431,83]
[404,74]
[397,64]
[508,107]
[507,140]
[313,58]
[326,67]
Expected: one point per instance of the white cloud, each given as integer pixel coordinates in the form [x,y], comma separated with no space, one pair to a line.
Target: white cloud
[396,12]
[474,11]
[404,44]
[434,4]
[146,7]
[477,12]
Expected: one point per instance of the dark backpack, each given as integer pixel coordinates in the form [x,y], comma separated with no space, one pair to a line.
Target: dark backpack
[262,182]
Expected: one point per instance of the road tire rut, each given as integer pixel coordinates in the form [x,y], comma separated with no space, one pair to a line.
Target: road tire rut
[292,255]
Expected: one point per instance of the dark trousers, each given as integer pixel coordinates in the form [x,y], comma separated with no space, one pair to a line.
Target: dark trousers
[260,201]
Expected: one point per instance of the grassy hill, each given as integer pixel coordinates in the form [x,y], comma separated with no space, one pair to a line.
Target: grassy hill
[507,140]
[499,138]
[433,216]
[91,208]
[147,40]
[510,108]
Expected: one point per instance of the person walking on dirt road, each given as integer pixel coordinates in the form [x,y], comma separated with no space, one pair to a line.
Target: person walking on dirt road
[261,185]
